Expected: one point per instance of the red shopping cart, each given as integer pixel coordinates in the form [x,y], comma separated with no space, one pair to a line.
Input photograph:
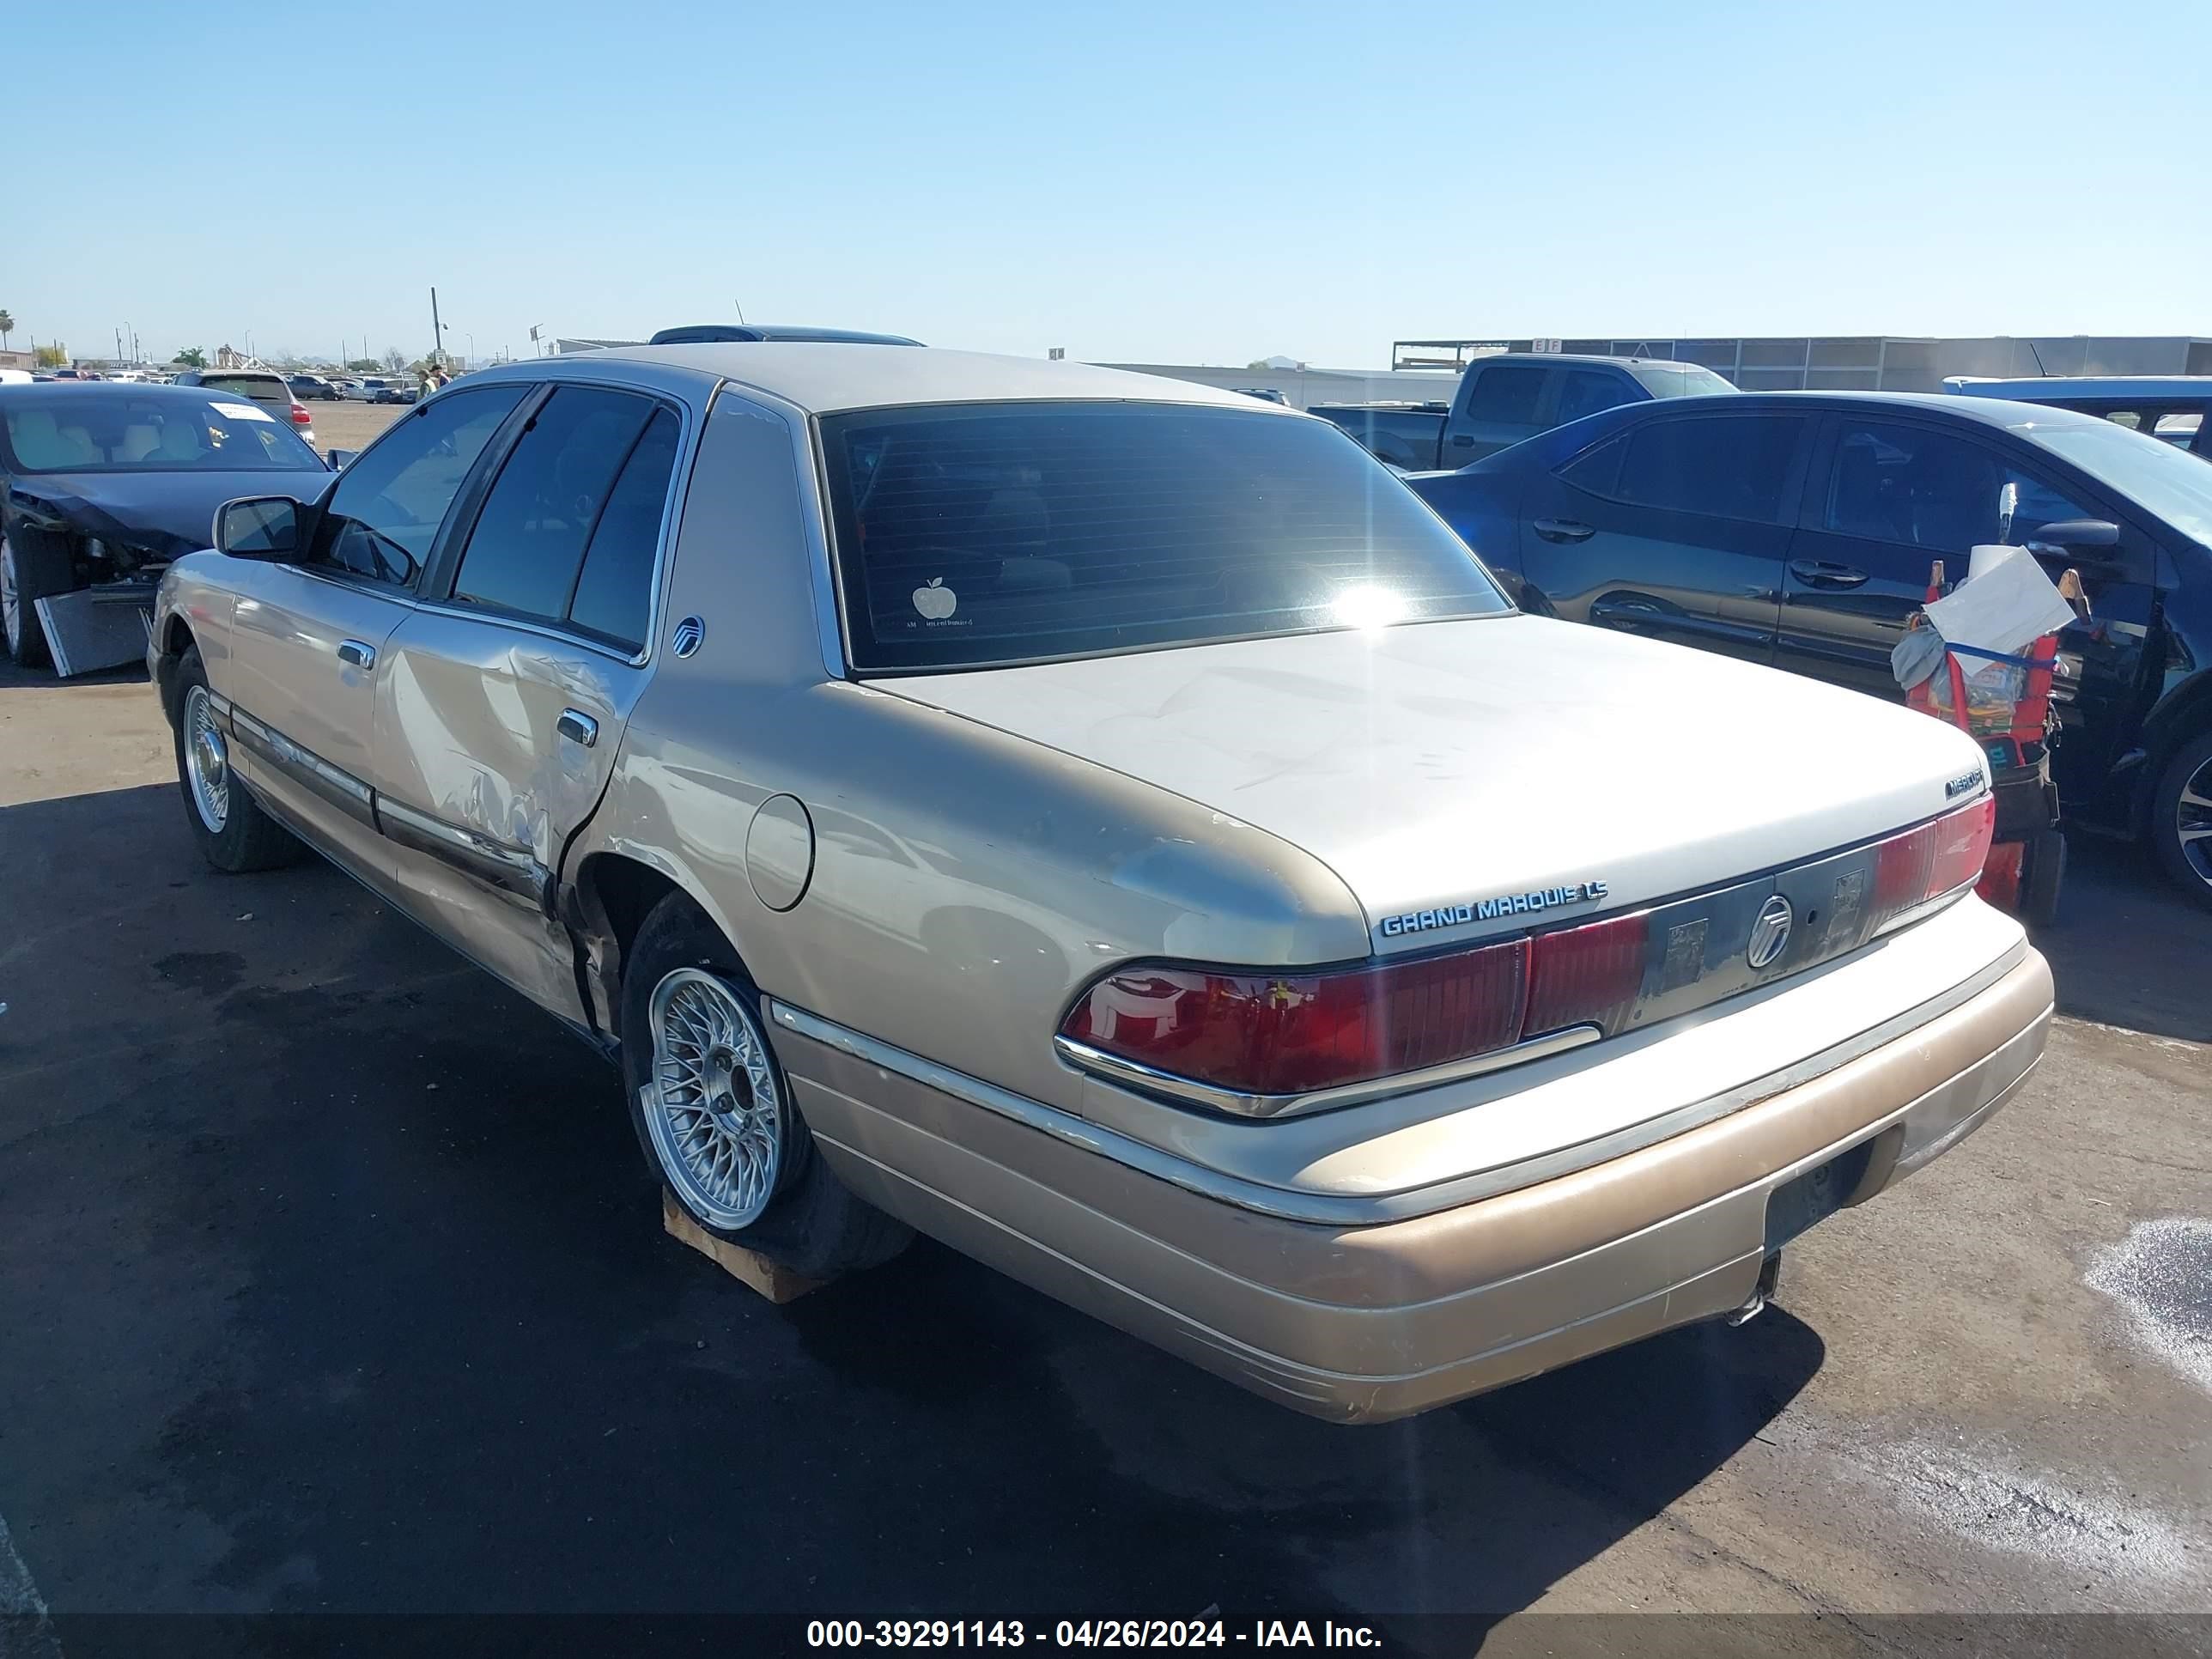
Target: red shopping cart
[2003,703]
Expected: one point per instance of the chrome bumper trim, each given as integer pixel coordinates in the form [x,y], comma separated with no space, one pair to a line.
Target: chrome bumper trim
[1188,1092]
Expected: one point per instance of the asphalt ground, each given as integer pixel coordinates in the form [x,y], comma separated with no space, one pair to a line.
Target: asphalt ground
[332,1285]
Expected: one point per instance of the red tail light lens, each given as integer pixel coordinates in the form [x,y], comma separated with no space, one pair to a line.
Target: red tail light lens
[1961,845]
[1931,860]
[1586,976]
[299,416]
[1287,1034]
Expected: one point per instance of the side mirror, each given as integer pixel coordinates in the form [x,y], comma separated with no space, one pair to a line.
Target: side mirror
[340,460]
[2095,537]
[259,528]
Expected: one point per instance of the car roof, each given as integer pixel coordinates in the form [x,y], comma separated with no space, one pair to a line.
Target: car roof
[2085,386]
[1986,411]
[825,378]
[1539,359]
[707,333]
[137,389]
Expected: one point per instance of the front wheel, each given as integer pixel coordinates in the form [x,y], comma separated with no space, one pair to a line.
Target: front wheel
[2181,818]
[234,835]
[712,1109]
[19,618]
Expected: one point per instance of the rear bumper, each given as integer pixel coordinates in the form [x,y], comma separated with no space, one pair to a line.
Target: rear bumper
[1370,1322]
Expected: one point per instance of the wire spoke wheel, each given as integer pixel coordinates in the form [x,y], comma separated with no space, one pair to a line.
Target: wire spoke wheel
[207,761]
[713,1108]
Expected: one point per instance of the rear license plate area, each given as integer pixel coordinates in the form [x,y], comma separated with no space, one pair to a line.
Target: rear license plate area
[1804,1201]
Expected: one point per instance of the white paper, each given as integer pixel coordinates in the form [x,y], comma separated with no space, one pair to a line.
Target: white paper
[2007,605]
[239,411]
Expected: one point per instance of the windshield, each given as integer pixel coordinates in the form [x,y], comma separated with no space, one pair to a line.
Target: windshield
[2169,482]
[1015,532]
[89,430]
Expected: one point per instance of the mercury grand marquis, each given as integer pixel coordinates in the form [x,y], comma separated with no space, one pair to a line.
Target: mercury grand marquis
[1114,826]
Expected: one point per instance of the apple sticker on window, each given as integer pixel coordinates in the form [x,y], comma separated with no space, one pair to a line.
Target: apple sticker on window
[936,601]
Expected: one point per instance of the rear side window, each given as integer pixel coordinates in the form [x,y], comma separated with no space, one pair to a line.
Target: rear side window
[1727,467]
[1506,394]
[1010,532]
[1586,391]
[614,594]
[526,553]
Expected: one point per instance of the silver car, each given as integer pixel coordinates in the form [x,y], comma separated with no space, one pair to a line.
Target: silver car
[1111,824]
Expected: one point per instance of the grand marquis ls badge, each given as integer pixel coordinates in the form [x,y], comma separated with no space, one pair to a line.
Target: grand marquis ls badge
[1458,914]
[1769,932]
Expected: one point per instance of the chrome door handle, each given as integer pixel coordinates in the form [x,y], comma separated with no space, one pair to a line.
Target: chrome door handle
[360,652]
[1562,530]
[580,729]
[1820,573]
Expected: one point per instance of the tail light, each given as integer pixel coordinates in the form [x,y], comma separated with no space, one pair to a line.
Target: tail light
[1294,1034]
[1927,863]
[1262,1043]
[299,416]
[1586,975]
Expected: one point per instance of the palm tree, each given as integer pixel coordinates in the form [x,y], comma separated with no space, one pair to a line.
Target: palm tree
[192,357]
[7,327]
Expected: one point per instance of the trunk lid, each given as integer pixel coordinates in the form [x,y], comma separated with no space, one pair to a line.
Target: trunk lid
[1565,770]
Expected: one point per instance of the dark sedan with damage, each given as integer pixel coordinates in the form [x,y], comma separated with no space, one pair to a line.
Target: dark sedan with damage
[105,484]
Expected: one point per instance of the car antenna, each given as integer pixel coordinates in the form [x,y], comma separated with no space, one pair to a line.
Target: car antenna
[740,305]
[2032,352]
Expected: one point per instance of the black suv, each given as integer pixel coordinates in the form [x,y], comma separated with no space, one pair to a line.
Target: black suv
[1798,529]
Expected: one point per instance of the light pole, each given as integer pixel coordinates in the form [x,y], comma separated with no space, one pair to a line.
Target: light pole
[473,351]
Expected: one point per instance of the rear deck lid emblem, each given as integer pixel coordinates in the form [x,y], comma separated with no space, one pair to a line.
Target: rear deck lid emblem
[1770,933]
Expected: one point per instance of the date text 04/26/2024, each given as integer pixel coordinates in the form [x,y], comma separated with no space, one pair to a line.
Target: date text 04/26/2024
[1201,1633]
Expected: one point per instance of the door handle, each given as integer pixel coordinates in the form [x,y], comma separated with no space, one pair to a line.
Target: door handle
[578,728]
[1819,573]
[359,652]
[1462,440]
[1563,530]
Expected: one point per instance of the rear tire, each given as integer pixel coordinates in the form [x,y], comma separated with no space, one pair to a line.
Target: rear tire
[2046,874]
[234,835]
[2181,818]
[720,1128]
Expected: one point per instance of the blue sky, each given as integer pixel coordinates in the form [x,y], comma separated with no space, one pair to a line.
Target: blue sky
[1179,183]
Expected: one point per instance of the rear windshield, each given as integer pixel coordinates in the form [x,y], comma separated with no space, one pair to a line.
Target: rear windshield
[1679,380]
[995,533]
[262,388]
[90,429]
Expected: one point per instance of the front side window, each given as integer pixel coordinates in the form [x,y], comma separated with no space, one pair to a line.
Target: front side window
[388,505]
[1731,466]
[1923,488]
[86,431]
[991,533]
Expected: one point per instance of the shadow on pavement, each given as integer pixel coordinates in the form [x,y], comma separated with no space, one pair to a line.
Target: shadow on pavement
[342,1288]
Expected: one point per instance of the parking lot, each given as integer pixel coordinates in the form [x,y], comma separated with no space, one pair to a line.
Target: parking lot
[352,425]
[335,1285]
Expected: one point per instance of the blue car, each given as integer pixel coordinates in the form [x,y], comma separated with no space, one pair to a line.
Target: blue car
[1798,529]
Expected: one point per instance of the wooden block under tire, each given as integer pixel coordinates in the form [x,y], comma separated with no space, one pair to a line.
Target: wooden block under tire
[749,1267]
